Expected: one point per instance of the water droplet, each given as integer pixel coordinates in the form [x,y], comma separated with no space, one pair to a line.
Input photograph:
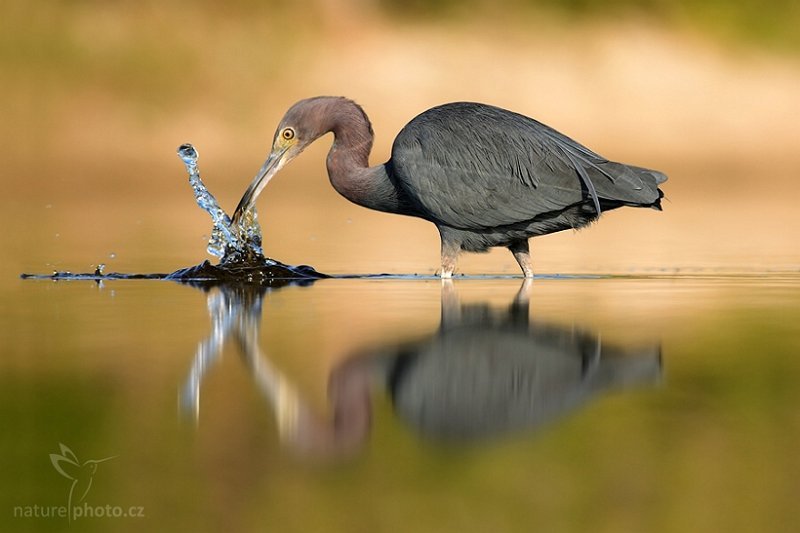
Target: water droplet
[112,255]
[188,154]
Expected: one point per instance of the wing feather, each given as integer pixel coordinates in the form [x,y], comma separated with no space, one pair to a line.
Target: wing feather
[475,166]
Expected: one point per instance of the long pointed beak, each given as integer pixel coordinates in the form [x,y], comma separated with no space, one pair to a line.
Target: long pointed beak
[272,165]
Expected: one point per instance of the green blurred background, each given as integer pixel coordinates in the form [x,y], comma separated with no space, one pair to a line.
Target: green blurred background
[97,95]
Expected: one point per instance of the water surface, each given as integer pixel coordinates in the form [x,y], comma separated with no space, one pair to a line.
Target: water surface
[573,404]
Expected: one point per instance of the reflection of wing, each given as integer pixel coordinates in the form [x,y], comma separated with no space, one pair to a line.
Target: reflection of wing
[66,464]
[478,381]
[474,382]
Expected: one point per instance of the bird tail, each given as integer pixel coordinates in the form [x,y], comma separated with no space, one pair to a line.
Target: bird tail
[658,178]
[629,185]
[657,204]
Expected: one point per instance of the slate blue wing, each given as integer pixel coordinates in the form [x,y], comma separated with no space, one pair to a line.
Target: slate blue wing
[474,166]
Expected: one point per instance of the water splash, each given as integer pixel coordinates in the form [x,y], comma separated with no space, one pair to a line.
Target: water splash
[237,245]
[240,243]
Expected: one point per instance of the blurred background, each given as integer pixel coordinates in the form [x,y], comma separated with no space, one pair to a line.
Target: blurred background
[96,96]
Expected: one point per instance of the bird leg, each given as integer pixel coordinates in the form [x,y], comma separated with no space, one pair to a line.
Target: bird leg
[450,250]
[523,256]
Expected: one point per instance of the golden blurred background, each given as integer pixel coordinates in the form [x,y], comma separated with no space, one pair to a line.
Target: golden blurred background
[98,95]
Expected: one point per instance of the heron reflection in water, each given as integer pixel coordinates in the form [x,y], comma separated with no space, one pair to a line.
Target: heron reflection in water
[485,373]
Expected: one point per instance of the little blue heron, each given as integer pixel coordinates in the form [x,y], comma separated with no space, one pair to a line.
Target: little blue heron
[483,175]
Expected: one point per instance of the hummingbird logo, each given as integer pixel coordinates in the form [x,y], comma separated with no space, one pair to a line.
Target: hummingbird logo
[81,474]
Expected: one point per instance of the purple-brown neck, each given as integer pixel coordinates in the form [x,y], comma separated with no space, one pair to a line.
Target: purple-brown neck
[349,155]
[348,158]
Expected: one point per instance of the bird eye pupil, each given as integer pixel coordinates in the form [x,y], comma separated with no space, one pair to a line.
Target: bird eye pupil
[288,133]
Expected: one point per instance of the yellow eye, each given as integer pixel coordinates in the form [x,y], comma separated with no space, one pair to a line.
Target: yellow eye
[287,134]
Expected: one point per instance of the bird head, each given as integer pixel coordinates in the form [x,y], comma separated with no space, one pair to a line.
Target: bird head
[303,123]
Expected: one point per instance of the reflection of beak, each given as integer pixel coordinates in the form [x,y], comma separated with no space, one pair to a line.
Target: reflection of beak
[272,165]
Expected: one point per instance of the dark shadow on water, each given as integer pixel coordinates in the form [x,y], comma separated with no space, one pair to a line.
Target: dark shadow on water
[486,373]
[266,272]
